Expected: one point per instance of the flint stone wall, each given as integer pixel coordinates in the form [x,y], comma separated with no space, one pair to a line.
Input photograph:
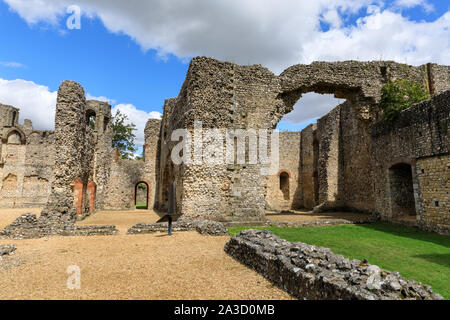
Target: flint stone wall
[26,161]
[420,138]
[316,273]
[227,96]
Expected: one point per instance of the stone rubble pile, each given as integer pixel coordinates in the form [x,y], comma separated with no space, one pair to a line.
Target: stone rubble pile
[203,226]
[28,226]
[316,273]
[7,249]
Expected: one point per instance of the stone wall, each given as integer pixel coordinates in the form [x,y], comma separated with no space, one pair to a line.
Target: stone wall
[316,273]
[290,197]
[26,161]
[151,157]
[419,139]
[125,176]
[336,168]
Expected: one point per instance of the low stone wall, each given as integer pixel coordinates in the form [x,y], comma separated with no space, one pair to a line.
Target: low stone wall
[316,273]
[203,226]
[28,226]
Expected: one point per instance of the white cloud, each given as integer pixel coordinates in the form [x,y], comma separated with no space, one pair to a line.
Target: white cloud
[101,98]
[415,3]
[311,106]
[12,64]
[276,34]
[387,36]
[138,117]
[36,102]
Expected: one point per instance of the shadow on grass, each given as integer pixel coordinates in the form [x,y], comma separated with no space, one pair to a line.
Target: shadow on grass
[409,232]
[441,259]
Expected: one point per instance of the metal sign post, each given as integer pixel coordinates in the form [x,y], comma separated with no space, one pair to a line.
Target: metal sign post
[169,217]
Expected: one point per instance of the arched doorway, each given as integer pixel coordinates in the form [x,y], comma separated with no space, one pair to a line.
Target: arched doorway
[401,191]
[91,119]
[141,195]
[284,185]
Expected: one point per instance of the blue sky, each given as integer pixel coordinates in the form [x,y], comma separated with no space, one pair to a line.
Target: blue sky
[136,53]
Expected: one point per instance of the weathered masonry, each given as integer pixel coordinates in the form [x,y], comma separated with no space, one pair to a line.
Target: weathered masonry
[348,160]
[330,165]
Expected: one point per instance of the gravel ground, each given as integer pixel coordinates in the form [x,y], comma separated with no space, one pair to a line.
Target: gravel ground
[299,216]
[184,266]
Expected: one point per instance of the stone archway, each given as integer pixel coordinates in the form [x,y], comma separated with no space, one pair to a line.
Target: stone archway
[142,196]
[285,185]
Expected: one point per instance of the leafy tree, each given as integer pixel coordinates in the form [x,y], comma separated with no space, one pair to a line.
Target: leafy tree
[399,95]
[123,135]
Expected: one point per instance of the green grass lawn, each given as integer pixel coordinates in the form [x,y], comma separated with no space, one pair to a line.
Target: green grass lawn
[416,254]
[141,206]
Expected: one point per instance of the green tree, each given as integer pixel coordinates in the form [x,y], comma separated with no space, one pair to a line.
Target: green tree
[123,135]
[399,95]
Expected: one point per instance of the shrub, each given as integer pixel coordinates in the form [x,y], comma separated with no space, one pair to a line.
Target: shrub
[399,95]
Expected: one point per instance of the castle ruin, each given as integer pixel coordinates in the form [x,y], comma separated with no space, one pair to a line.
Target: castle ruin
[349,160]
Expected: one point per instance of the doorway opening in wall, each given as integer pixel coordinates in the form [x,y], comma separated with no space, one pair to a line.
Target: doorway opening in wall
[298,154]
[402,192]
[141,196]
[91,118]
[284,185]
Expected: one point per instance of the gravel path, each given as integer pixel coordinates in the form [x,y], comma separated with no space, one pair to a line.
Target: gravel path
[184,266]
[299,216]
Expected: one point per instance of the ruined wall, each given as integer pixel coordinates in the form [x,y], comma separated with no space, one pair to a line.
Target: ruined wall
[151,157]
[289,153]
[124,176]
[26,161]
[329,138]
[227,96]
[316,273]
[418,138]
[74,159]
[102,132]
[308,168]
[434,183]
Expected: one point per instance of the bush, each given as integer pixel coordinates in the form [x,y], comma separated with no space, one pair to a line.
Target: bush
[399,95]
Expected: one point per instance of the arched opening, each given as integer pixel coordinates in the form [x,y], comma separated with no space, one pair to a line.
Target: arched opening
[141,195]
[14,138]
[300,130]
[284,185]
[401,191]
[91,119]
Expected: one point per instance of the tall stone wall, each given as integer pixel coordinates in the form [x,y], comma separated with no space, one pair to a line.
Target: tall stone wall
[420,139]
[308,167]
[26,162]
[227,96]
[329,164]
[290,197]
[102,149]
[151,157]
[125,175]
[74,159]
